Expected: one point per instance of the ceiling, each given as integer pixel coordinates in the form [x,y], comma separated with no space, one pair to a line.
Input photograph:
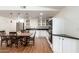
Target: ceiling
[30,11]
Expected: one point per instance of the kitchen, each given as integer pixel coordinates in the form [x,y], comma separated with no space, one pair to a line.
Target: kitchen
[55,27]
[30,20]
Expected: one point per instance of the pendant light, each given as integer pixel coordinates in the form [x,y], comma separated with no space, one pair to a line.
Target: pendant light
[11,14]
[18,18]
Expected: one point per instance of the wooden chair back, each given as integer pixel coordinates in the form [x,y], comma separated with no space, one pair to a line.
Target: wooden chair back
[12,33]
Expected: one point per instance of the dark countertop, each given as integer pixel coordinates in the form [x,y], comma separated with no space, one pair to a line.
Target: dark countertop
[66,36]
[36,28]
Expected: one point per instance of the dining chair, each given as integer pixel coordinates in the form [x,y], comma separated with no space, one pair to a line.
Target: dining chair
[23,40]
[20,38]
[32,38]
[13,38]
[4,39]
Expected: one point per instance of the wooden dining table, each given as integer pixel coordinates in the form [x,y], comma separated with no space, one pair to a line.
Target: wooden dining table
[20,35]
[24,34]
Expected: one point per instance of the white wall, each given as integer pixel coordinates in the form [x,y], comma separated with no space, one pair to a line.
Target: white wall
[6,25]
[67,21]
[72,21]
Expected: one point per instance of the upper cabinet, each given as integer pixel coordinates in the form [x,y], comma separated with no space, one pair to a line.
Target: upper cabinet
[27,23]
[42,22]
[39,22]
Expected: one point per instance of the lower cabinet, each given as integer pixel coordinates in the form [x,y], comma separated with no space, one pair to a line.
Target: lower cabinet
[69,45]
[57,44]
[65,45]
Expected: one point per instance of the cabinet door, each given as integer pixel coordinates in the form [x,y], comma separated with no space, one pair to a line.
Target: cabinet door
[69,45]
[57,44]
[77,49]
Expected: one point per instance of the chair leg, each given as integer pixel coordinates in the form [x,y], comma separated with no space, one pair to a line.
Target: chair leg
[1,43]
[11,44]
[6,43]
[16,43]
[33,42]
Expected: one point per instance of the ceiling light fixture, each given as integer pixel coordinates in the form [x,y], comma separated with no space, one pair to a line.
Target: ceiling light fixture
[11,14]
[20,19]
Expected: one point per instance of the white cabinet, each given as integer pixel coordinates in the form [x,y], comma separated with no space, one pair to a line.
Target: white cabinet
[41,22]
[69,45]
[65,45]
[27,23]
[57,44]
[77,46]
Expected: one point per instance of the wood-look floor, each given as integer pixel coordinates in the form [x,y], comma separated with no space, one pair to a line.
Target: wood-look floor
[41,46]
